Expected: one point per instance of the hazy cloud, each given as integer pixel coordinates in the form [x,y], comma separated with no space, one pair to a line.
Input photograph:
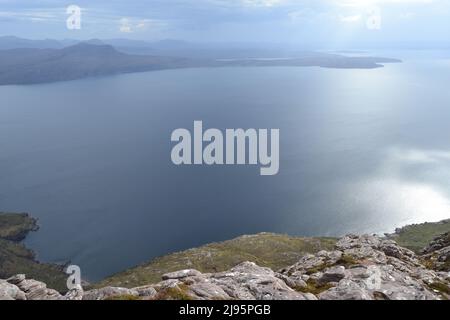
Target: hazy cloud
[237,20]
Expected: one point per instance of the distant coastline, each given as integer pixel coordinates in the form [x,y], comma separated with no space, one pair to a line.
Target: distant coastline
[15,258]
[30,62]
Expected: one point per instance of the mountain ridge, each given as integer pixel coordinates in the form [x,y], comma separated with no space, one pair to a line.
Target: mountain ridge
[94,58]
[83,60]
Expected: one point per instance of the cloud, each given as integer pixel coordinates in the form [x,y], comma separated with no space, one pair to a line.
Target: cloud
[234,20]
[246,3]
[264,3]
[302,15]
[34,15]
[129,25]
[366,3]
[407,15]
[125,26]
[351,19]
[312,3]
[142,25]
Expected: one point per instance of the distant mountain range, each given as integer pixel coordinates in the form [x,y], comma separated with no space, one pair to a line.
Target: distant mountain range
[25,61]
[30,66]
[12,42]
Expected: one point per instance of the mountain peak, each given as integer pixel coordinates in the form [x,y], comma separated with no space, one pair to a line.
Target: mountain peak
[90,48]
[97,42]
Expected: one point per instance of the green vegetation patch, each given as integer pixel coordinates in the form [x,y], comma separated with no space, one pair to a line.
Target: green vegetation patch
[312,286]
[180,292]
[15,227]
[418,236]
[266,249]
[15,258]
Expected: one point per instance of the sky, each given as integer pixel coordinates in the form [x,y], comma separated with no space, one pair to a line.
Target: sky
[340,22]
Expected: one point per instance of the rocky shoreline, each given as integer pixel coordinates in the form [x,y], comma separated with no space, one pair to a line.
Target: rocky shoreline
[16,226]
[366,267]
[15,257]
[259,267]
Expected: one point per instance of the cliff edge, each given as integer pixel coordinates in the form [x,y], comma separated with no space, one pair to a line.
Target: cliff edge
[366,267]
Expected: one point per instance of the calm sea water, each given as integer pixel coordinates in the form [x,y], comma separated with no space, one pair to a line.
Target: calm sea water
[361,151]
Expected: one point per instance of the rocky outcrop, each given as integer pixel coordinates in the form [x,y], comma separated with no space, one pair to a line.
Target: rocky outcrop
[10,292]
[367,268]
[359,268]
[20,288]
[437,253]
[438,243]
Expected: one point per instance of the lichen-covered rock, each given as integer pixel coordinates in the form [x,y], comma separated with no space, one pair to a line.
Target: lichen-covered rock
[76,293]
[346,290]
[437,253]
[438,243]
[34,290]
[333,274]
[146,291]
[369,268]
[10,291]
[181,274]
[248,281]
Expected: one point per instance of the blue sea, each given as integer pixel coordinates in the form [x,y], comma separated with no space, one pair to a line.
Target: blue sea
[360,151]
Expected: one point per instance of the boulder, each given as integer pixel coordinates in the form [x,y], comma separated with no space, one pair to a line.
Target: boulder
[10,291]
